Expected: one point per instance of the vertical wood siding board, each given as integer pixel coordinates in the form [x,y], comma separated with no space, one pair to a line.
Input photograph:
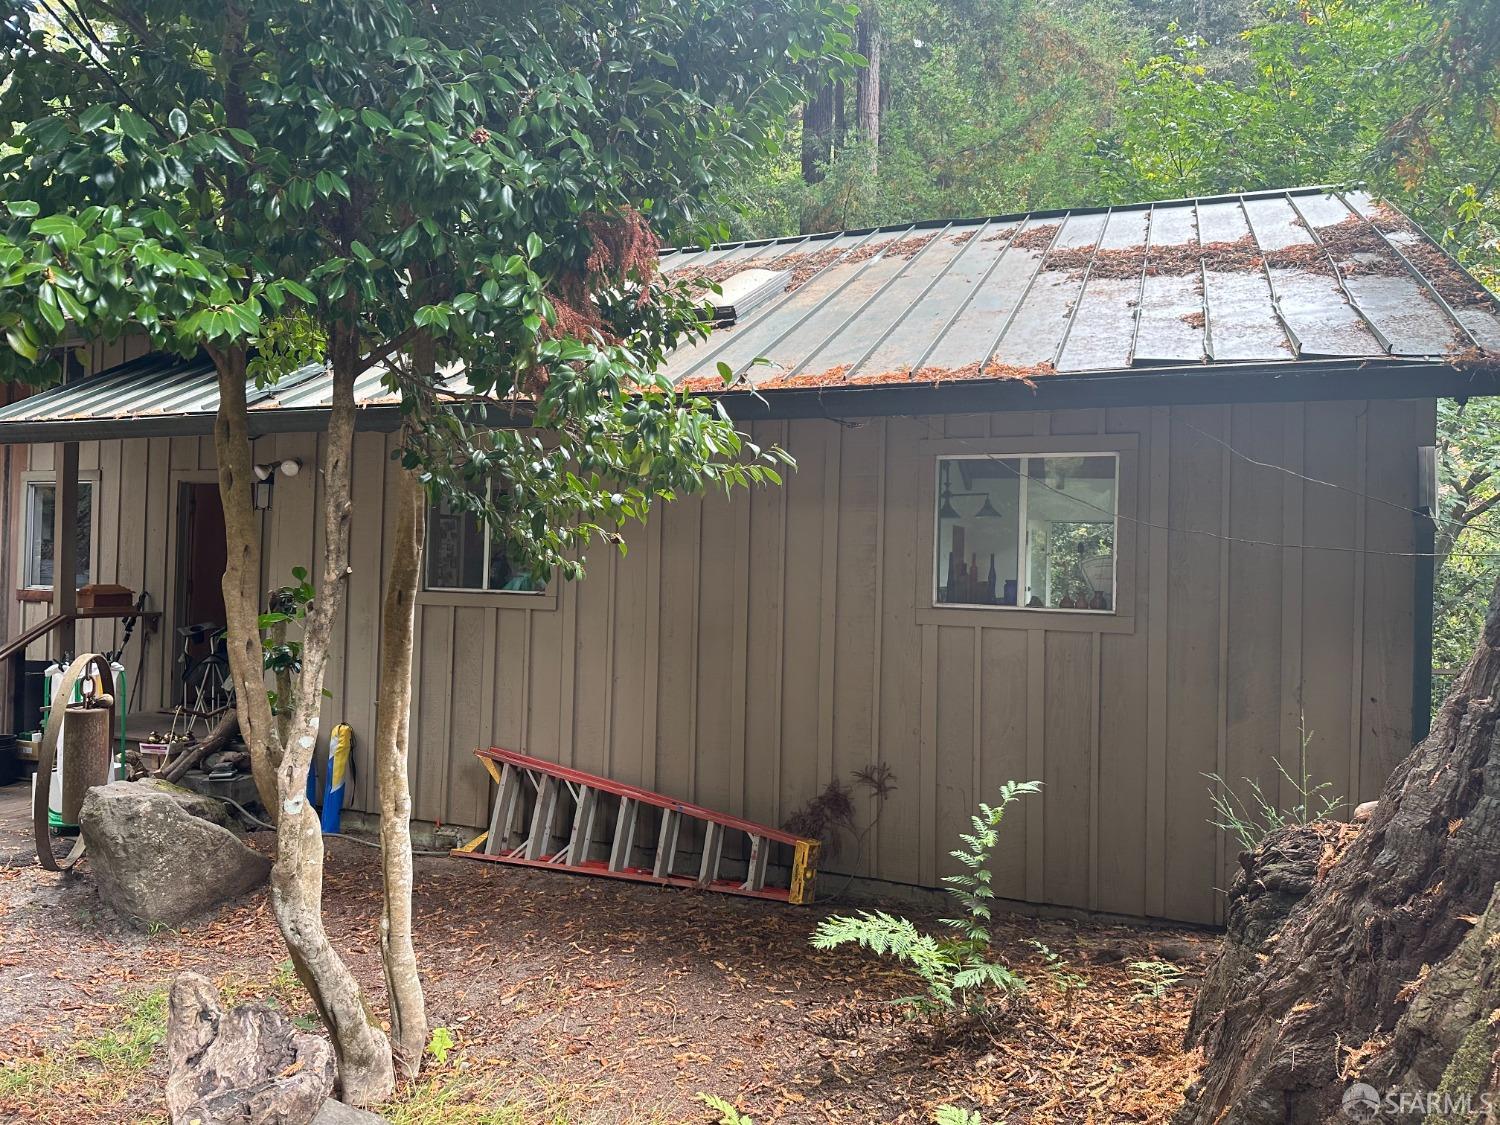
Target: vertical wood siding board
[952,765]
[1157,685]
[872,850]
[1395,429]
[488,685]
[779,810]
[607,690]
[695,633]
[651,655]
[159,508]
[1036,763]
[1357,655]
[527,648]
[927,760]
[1096,677]
[898,692]
[1291,593]
[421,744]
[567,697]
[364,606]
[828,597]
[1328,578]
[445,800]
[739,656]
[1221,756]
[976,723]
[1193,664]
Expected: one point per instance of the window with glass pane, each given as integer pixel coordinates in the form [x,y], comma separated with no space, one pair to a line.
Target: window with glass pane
[463,553]
[41,506]
[1029,532]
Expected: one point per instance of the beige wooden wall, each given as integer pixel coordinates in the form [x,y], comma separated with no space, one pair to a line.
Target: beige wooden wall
[748,650]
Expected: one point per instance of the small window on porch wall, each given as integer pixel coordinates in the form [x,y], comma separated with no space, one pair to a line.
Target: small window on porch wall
[463,553]
[1027,532]
[41,500]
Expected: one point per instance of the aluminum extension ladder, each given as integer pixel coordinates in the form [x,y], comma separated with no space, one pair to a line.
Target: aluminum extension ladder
[530,825]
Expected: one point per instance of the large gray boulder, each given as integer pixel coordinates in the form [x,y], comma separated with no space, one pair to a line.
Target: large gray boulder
[194,804]
[157,864]
[246,1065]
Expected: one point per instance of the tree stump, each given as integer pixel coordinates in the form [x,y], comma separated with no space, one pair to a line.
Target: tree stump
[1357,984]
[243,1066]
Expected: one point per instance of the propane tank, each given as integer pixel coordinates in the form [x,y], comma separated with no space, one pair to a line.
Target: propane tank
[50,678]
[117,671]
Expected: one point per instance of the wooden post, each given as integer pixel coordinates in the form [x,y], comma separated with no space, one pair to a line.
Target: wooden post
[65,547]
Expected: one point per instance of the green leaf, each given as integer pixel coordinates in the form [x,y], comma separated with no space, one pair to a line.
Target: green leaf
[20,344]
[23,208]
[178,121]
[94,117]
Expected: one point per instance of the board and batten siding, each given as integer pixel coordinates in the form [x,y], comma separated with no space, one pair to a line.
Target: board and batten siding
[748,650]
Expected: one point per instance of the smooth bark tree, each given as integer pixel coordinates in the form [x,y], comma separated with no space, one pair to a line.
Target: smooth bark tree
[273,183]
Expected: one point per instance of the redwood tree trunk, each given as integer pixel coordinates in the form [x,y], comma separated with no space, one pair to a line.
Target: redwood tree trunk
[1351,987]
[282,746]
[867,91]
[403,983]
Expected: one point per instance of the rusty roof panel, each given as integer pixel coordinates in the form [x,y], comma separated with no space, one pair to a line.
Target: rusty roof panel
[1268,278]
[1102,328]
[1240,319]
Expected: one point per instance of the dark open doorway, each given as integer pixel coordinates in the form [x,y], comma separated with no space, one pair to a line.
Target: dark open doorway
[201,555]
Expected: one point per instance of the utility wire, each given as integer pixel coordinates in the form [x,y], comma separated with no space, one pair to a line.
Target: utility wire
[1118,515]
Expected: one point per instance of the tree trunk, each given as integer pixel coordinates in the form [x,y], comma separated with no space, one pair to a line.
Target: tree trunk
[280,762]
[867,92]
[817,135]
[403,984]
[1335,998]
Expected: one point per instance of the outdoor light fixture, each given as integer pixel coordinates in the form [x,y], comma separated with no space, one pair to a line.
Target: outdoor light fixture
[265,478]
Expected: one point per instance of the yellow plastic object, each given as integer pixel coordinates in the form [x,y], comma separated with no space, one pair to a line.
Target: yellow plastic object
[804,871]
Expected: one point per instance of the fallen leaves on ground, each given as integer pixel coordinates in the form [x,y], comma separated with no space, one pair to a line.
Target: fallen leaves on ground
[593,1001]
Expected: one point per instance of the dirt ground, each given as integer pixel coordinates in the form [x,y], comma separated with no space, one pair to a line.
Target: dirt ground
[576,1000]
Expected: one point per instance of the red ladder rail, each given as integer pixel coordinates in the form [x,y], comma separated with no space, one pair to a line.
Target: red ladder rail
[530,840]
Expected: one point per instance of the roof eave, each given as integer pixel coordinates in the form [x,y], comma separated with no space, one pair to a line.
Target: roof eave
[1198,384]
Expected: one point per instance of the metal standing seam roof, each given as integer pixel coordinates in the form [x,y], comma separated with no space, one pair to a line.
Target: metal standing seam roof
[1265,278]
[1269,282]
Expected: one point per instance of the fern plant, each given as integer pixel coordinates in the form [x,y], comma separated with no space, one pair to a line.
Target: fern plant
[957,969]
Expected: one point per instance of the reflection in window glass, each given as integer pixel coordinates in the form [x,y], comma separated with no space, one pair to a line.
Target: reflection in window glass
[41,501]
[1029,531]
[464,554]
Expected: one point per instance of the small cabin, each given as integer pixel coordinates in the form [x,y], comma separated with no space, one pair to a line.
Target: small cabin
[1113,498]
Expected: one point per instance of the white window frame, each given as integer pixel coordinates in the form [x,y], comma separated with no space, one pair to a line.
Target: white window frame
[31,483]
[474,591]
[1023,552]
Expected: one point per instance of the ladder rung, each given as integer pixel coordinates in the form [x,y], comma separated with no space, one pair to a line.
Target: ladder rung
[666,843]
[624,842]
[755,874]
[583,825]
[713,850]
[507,806]
[543,818]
